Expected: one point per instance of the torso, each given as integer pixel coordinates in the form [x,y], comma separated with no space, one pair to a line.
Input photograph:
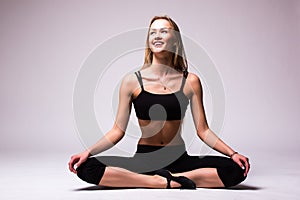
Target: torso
[160,132]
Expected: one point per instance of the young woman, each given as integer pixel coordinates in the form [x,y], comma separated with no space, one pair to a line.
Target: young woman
[160,93]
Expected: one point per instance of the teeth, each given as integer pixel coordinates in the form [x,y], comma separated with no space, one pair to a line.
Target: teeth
[158,43]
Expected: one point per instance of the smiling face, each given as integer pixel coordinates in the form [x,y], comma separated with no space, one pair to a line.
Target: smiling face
[161,36]
[164,39]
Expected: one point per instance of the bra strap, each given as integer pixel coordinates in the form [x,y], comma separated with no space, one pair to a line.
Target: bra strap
[185,75]
[139,77]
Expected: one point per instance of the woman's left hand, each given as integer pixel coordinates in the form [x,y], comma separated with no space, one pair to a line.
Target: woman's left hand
[242,161]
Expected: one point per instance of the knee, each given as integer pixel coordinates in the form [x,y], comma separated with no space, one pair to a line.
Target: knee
[91,171]
[237,176]
[232,175]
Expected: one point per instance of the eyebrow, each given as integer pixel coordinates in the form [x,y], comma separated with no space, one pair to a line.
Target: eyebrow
[154,29]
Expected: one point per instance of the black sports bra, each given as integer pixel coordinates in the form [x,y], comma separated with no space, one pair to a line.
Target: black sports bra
[151,106]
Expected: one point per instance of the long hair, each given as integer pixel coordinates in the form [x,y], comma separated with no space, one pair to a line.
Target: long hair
[179,60]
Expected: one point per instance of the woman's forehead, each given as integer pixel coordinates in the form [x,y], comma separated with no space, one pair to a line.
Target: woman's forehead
[160,24]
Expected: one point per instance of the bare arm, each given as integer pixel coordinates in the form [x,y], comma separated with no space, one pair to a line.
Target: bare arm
[117,132]
[203,131]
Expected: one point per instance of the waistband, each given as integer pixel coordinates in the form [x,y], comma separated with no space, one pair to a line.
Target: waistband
[141,148]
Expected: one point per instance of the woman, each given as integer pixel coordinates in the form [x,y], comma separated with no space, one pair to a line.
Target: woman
[160,93]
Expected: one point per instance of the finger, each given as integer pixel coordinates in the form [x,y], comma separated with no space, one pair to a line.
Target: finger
[240,164]
[72,163]
[71,166]
[247,165]
[79,162]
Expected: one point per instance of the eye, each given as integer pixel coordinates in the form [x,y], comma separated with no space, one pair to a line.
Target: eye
[152,33]
[164,31]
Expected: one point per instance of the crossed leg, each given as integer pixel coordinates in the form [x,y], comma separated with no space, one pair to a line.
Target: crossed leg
[208,172]
[118,177]
[204,177]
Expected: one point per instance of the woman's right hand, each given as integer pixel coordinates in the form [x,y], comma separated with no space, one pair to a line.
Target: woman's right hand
[77,160]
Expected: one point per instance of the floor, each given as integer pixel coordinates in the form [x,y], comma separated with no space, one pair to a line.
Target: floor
[37,176]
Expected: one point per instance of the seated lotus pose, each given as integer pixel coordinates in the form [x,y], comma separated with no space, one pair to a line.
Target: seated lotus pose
[160,93]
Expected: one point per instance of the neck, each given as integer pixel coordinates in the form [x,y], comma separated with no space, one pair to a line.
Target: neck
[163,58]
[162,64]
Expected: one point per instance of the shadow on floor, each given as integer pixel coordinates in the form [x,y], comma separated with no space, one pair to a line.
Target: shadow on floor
[96,187]
[244,187]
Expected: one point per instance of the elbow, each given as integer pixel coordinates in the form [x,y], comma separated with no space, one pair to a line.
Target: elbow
[115,135]
[208,137]
[202,132]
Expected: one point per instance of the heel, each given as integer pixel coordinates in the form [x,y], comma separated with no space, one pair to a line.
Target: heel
[185,182]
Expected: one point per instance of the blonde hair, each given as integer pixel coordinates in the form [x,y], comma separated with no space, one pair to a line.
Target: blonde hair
[179,60]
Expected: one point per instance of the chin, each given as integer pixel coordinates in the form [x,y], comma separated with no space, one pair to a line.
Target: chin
[159,50]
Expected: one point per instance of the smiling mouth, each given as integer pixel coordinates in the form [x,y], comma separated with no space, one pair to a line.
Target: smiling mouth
[158,43]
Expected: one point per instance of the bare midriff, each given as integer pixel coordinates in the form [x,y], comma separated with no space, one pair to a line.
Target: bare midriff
[160,133]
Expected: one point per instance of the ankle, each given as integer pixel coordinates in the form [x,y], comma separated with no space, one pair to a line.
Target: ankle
[159,182]
[174,184]
[176,181]
[162,182]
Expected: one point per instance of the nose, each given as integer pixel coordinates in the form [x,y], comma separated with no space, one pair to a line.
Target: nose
[157,36]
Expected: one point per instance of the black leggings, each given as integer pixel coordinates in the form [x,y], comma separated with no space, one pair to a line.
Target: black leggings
[150,158]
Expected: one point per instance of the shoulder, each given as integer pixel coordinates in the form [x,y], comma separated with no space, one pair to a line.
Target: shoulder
[129,79]
[129,83]
[193,80]
[193,84]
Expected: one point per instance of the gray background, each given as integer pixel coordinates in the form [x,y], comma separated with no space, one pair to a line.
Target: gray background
[254,44]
